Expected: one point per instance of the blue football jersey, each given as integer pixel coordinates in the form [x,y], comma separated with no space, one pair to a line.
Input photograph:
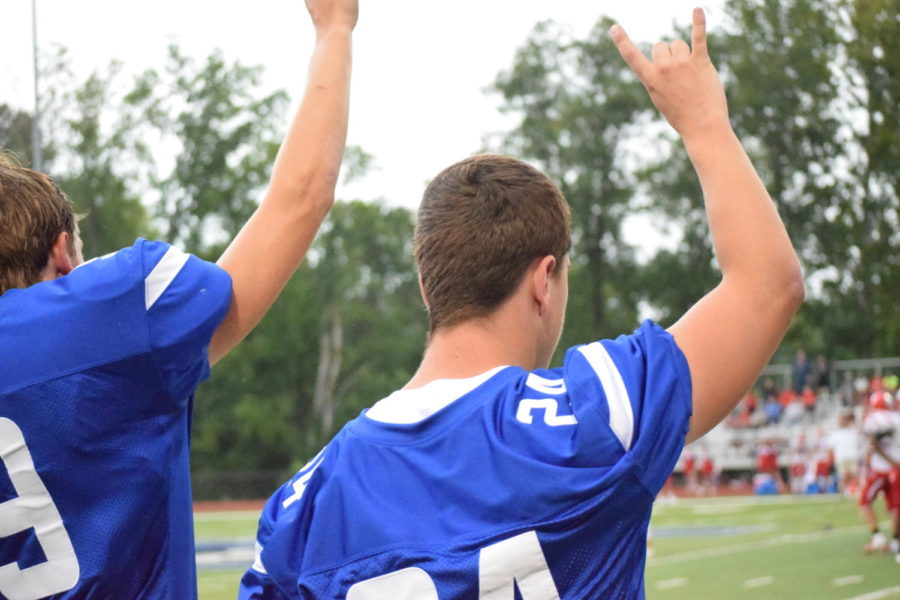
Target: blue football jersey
[509,485]
[97,373]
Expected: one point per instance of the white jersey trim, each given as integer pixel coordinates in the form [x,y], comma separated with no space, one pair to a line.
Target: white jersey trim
[553,387]
[405,407]
[621,415]
[258,565]
[163,274]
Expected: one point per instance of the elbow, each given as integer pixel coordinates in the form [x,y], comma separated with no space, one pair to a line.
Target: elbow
[795,287]
[791,292]
[305,193]
[798,291]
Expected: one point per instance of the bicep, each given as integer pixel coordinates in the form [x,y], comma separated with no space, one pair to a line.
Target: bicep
[727,338]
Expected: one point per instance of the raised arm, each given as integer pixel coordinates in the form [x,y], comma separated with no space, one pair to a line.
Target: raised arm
[731,333]
[274,241]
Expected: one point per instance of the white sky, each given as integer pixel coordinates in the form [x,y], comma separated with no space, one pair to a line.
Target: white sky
[420,66]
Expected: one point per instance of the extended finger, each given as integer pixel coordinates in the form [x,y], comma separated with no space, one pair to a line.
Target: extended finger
[631,54]
[698,33]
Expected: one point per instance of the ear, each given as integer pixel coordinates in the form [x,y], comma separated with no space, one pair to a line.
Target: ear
[541,271]
[60,261]
[422,291]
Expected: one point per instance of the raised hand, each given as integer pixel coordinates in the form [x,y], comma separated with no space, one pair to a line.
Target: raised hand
[333,13]
[681,80]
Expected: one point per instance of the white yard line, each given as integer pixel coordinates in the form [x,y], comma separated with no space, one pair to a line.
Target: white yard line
[236,555]
[848,580]
[878,594]
[744,501]
[794,538]
[669,584]
[759,581]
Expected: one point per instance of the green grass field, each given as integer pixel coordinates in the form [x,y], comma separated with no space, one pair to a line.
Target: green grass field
[719,548]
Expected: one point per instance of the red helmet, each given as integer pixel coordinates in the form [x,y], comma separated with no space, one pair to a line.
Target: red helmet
[881,401]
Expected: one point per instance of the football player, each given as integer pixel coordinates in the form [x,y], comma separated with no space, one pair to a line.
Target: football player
[489,474]
[100,360]
[881,426]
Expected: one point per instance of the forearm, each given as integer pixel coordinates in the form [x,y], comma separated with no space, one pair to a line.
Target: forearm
[307,166]
[274,241]
[750,240]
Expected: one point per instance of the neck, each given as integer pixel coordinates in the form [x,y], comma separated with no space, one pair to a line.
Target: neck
[476,346]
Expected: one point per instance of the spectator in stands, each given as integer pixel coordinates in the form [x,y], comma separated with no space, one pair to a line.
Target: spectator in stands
[742,415]
[689,466]
[809,399]
[759,418]
[845,391]
[800,370]
[824,464]
[846,446]
[773,410]
[767,463]
[749,404]
[860,390]
[786,396]
[794,412]
[768,390]
[821,375]
[799,460]
[707,473]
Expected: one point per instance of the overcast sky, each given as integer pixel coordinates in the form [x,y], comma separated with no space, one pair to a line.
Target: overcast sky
[421,66]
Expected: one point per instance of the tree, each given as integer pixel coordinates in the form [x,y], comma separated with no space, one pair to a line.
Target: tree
[814,91]
[367,282]
[101,154]
[578,111]
[15,132]
[339,338]
[91,149]
[224,137]
[813,87]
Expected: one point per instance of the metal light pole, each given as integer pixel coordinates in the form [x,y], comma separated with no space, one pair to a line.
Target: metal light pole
[37,158]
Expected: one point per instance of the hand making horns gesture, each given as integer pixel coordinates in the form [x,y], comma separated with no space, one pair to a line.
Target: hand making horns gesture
[681,80]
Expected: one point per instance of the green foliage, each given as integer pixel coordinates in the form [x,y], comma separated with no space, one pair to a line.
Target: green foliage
[223,138]
[813,88]
[578,106]
[97,179]
[814,91]
[15,133]
[268,404]
[88,131]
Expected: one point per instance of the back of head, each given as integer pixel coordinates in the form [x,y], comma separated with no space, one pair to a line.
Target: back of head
[33,212]
[481,223]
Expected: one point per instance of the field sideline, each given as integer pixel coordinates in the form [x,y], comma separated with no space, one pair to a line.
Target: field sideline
[782,547]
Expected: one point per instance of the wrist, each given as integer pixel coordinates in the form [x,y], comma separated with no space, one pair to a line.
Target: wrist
[334,29]
[708,137]
[707,131]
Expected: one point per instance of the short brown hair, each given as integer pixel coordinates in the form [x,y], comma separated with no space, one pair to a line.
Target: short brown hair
[33,212]
[481,223]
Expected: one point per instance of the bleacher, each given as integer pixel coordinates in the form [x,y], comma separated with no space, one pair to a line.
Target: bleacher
[733,443]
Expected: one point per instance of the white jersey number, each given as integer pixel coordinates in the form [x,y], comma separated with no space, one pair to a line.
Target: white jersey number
[501,566]
[32,508]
